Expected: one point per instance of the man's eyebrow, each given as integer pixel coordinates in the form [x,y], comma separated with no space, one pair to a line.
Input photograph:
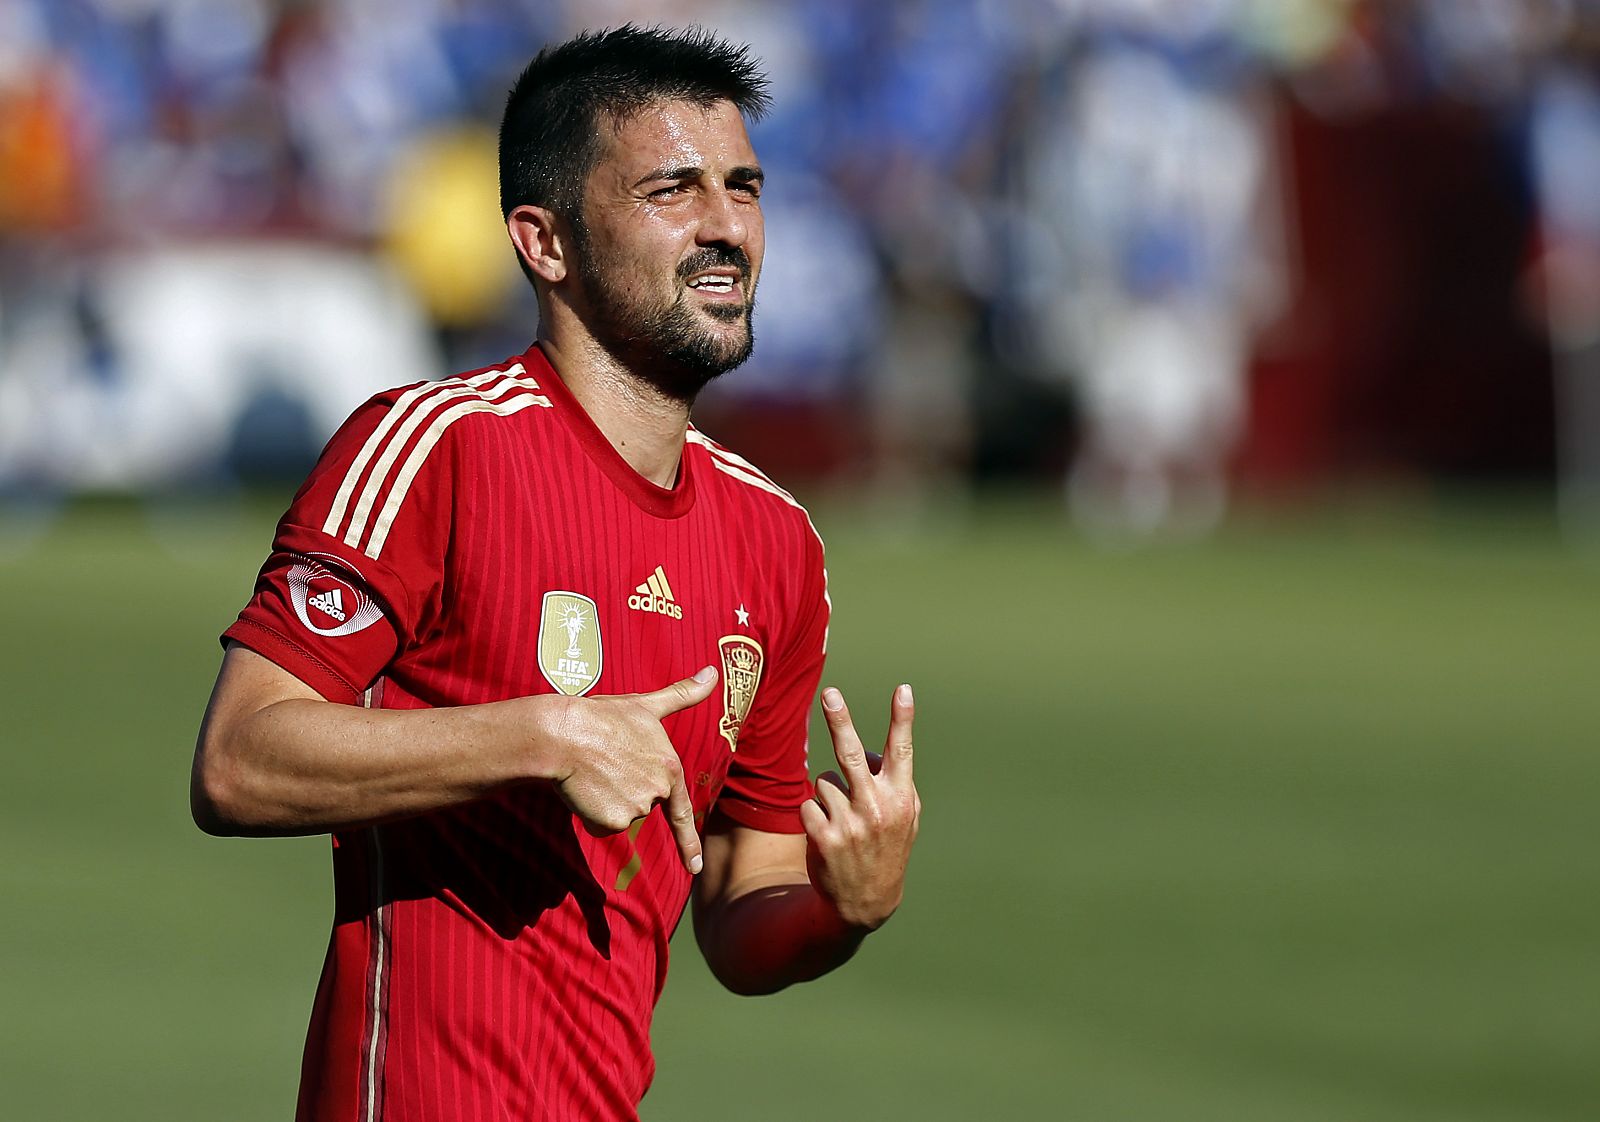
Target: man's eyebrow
[741,174]
[680,173]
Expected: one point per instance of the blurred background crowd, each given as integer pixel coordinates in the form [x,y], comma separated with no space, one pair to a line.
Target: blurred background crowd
[1153,252]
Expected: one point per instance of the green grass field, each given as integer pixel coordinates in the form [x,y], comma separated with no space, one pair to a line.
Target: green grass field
[1299,824]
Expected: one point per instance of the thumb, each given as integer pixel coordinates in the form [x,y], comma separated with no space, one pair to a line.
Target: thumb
[681,694]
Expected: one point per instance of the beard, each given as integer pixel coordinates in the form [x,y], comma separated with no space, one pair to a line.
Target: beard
[668,345]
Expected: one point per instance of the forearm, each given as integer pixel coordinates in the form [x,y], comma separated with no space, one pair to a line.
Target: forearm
[301,766]
[274,757]
[772,909]
[772,935]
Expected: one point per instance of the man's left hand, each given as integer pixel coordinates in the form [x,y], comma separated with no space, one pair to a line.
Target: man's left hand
[861,826]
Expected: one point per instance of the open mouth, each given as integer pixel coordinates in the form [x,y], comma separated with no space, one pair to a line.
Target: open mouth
[715,284]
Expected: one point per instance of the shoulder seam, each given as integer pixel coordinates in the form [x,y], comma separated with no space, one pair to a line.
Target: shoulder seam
[737,467]
[431,407]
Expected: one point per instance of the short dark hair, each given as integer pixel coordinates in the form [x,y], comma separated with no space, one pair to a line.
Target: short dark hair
[549,137]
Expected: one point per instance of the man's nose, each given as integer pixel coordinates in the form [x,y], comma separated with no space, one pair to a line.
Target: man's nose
[725,219]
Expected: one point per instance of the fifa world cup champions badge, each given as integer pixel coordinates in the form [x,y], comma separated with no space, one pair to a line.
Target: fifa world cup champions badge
[741,674]
[569,642]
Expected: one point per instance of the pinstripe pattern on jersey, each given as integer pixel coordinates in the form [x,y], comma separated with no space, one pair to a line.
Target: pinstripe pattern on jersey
[736,466]
[742,469]
[492,968]
[375,1030]
[430,436]
[397,413]
[501,391]
[506,389]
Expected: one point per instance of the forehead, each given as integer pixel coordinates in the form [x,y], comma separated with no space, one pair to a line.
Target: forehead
[677,134]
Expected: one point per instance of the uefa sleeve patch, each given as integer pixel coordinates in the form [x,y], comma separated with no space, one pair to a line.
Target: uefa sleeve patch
[328,602]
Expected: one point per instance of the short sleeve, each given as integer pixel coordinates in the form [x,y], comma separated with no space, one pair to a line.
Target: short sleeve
[357,562]
[769,777]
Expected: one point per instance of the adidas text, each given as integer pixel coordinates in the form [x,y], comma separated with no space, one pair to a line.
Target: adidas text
[329,603]
[652,603]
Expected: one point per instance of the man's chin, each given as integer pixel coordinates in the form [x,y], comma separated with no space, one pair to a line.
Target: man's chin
[684,348]
[706,360]
[683,371]
[726,313]
[724,342]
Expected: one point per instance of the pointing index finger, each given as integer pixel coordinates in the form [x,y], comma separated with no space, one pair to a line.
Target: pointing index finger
[681,695]
[679,810]
[847,746]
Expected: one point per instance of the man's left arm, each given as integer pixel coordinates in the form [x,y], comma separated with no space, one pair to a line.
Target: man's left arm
[773,909]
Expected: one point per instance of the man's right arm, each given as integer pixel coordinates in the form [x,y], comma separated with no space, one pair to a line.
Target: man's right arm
[275,758]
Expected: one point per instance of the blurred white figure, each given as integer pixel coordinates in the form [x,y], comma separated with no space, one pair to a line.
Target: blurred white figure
[1565,157]
[204,330]
[54,412]
[1158,174]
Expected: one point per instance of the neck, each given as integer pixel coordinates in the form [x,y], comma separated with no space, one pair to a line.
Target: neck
[645,426]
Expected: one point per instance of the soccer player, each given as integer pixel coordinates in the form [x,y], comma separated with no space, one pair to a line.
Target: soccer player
[540,655]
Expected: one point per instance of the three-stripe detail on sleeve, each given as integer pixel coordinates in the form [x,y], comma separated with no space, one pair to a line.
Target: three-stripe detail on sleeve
[737,467]
[743,470]
[376,484]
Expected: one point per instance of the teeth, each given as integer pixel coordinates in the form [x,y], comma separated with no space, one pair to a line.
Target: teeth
[718,284]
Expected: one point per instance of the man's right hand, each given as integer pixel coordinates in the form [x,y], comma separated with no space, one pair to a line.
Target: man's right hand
[616,761]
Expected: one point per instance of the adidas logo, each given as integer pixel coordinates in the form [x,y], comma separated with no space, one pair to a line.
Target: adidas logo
[655,595]
[330,603]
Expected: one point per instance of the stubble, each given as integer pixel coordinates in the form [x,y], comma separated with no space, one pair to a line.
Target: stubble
[668,345]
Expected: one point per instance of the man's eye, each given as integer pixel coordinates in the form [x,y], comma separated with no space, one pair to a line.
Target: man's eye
[663,192]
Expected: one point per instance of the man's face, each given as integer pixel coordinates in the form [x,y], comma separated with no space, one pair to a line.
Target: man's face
[671,247]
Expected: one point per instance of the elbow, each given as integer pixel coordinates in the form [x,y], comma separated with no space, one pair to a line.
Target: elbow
[746,984]
[210,820]
[214,798]
[740,972]
[208,805]
[770,950]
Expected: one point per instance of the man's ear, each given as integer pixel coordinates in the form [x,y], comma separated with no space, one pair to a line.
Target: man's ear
[540,243]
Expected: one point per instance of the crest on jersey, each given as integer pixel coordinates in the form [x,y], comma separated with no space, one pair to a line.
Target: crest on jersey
[741,674]
[569,642]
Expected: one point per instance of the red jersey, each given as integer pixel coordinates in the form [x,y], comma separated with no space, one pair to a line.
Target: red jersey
[478,539]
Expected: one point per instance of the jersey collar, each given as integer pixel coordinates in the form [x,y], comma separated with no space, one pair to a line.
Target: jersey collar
[662,502]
